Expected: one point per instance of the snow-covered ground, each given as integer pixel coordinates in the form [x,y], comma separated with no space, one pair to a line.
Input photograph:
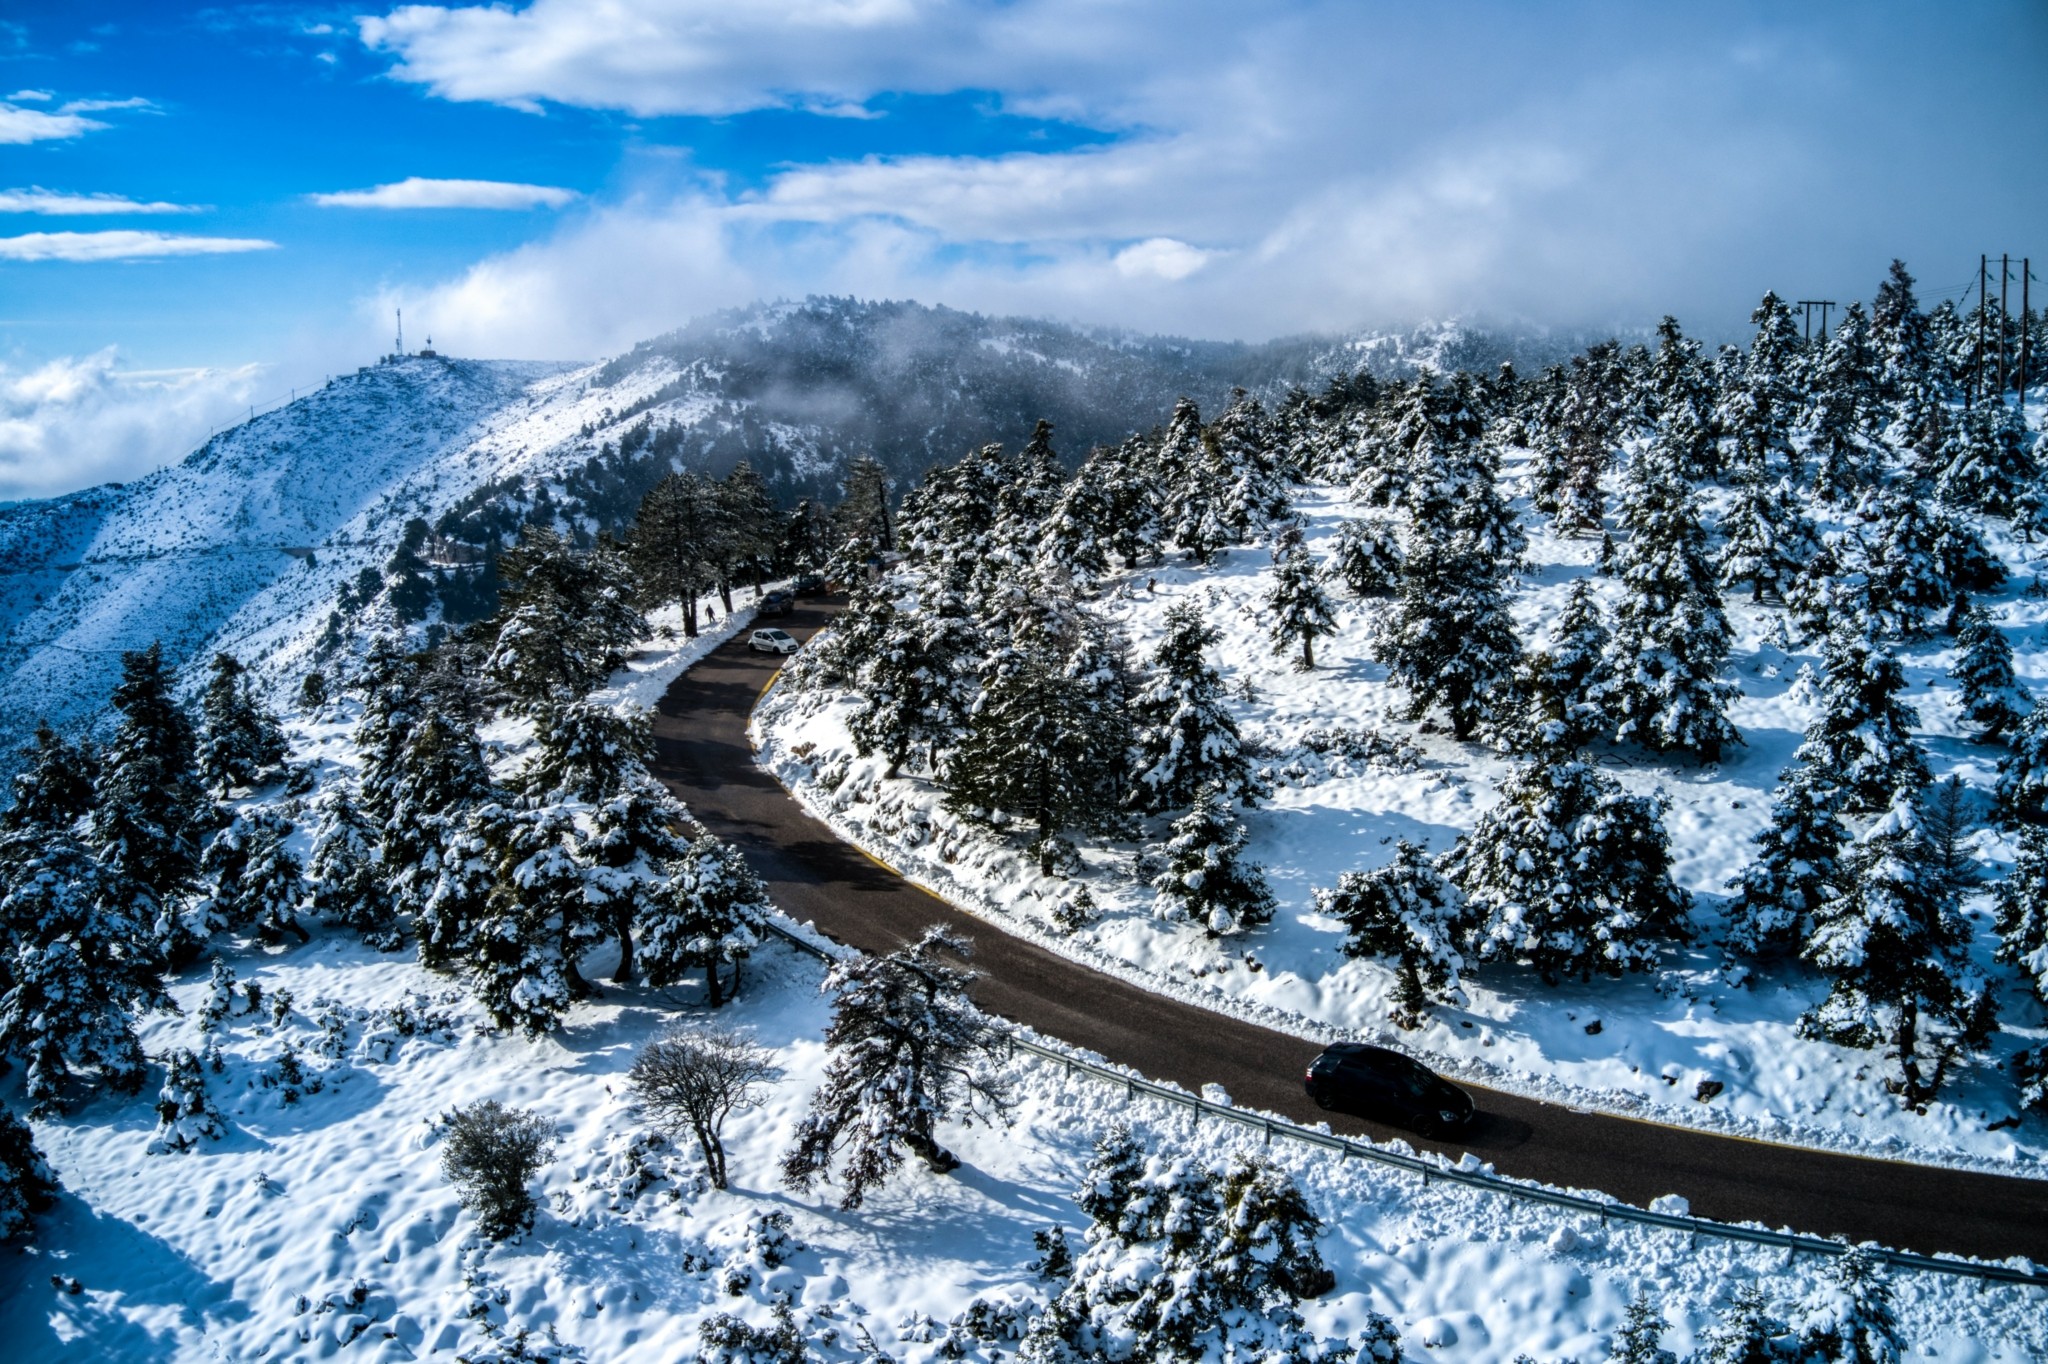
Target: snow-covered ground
[1659,1037]
[323,1227]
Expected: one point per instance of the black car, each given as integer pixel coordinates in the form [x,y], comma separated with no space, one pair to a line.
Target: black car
[777,603]
[810,585]
[1374,1082]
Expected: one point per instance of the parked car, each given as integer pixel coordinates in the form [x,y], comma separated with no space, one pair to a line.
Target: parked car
[771,641]
[810,585]
[777,603]
[1378,1083]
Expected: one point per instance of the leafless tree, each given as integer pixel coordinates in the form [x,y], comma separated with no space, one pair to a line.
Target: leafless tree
[692,1080]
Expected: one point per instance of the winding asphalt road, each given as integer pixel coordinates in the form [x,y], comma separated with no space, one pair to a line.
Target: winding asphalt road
[703,755]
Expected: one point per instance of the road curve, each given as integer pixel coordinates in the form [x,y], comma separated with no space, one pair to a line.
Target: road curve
[704,757]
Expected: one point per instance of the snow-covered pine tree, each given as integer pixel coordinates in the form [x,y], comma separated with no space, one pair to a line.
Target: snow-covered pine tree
[632,839]
[1907,379]
[1987,461]
[1450,639]
[1074,544]
[1186,736]
[1192,490]
[1047,739]
[2022,911]
[81,959]
[52,788]
[349,884]
[915,683]
[240,742]
[1205,880]
[1568,873]
[1842,411]
[1846,1317]
[1660,677]
[536,922]
[1579,439]
[709,917]
[184,1115]
[438,777]
[1553,686]
[2021,795]
[1368,557]
[447,896]
[1408,912]
[1767,536]
[27,1184]
[908,1050]
[1896,958]
[949,520]
[1746,1332]
[148,808]
[1991,697]
[1241,445]
[389,683]
[586,751]
[681,533]
[1796,870]
[1862,743]
[1680,402]
[1759,412]
[256,880]
[1641,1337]
[565,619]
[1897,580]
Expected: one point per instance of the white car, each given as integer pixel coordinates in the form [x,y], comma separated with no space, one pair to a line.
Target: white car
[771,642]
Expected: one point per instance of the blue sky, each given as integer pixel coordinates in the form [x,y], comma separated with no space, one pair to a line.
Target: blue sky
[201,204]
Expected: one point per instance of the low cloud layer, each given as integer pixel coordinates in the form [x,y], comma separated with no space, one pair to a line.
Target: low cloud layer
[81,420]
[55,203]
[415,192]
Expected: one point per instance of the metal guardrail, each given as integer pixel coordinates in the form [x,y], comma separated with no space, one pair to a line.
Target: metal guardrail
[1435,1167]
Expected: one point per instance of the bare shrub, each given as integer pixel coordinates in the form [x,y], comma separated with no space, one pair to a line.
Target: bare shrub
[693,1080]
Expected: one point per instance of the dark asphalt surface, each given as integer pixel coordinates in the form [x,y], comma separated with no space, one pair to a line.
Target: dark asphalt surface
[703,755]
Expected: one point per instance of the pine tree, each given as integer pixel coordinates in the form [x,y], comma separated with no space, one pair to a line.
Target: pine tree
[257,882]
[1640,1339]
[1368,557]
[1241,447]
[1205,881]
[390,685]
[1841,411]
[1987,461]
[710,916]
[1300,610]
[1580,436]
[1450,639]
[1747,1332]
[1906,379]
[1991,696]
[1862,740]
[1902,578]
[565,620]
[1760,411]
[240,742]
[1797,867]
[752,521]
[438,777]
[1074,544]
[27,1185]
[586,751]
[349,884]
[1660,678]
[536,921]
[2021,795]
[1847,1317]
[2022,911]
[148,809]
[1186,736]
[81,958]
[916,681]
[1568,874]
[1768,537]
[1554,687]
[906,1050]
[680,544]
[1896,959]
[184,1115]
[1047,738]
[1193,494]
[1680,402]
[633,838]
[53,787]
[1406,911]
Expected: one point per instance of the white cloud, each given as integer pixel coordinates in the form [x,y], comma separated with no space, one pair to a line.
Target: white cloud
[54,203]
[19,126]
[1161,258]
[97,106]
[38,96]
[79,420]
[121,245]
[416,192]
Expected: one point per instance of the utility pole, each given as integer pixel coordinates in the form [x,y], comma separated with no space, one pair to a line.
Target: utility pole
[2026,326]
[2004,284]
[398,347]
[1806,307]
[1977,368]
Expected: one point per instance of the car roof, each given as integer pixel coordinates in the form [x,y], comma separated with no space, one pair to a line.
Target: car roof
[1360,1053]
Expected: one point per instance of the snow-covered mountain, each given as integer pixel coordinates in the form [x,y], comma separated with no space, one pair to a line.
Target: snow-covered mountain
[252,543]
